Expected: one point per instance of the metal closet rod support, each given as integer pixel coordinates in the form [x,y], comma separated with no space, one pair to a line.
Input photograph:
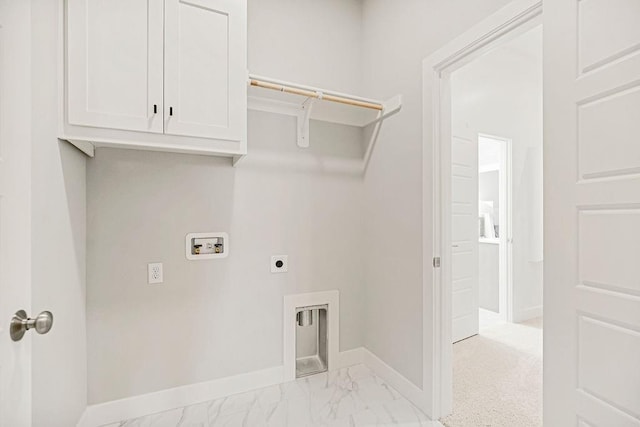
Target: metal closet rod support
[314,94]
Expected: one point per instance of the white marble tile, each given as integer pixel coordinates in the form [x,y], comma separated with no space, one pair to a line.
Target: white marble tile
[167,419]
[400,412]
[298,412]
[276,415]
[195,415]
[373,391]
[236,419]
[164,419]
[358,372]
[237,403]
[335,398]
[350,397]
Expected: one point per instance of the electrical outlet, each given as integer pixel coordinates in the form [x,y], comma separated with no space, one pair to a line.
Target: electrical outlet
[279,263]
[155,273]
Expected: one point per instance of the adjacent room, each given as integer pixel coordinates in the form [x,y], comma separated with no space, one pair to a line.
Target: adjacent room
[497,236]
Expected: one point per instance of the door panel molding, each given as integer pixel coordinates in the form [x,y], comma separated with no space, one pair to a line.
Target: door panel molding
[115,77]
[592,220]
[209,104]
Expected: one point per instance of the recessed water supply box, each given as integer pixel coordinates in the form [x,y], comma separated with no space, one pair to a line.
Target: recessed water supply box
[201,246]
[311,340]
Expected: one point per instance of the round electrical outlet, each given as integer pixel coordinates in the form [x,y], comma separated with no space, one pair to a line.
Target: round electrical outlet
[279,264]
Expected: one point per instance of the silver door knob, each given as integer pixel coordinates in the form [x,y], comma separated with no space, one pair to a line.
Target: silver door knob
[20,324]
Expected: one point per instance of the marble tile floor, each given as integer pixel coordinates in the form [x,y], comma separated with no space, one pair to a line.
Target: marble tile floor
[350,397]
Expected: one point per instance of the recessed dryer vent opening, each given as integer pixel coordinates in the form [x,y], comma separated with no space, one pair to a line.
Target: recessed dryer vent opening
[311,333]
[311,340]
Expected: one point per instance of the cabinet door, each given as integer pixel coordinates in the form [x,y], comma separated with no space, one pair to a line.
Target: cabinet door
[205,68]
[114,65]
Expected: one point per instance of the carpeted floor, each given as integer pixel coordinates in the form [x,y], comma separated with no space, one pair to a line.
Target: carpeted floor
[497,377]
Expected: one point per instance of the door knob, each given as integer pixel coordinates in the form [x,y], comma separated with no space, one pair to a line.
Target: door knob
[20,324]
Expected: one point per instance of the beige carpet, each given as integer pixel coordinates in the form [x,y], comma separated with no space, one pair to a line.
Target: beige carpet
[497,377]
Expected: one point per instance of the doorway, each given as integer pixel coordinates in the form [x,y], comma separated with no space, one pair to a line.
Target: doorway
[496,101]
[499,29]
[495,183]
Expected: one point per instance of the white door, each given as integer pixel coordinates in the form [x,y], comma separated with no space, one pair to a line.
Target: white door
[115,61]
[464,236]
[205,68]
[592,213]
[15,208]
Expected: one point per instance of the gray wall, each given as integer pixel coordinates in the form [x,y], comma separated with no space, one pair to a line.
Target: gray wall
[58,241]
[212,319]
[280,200]
[397,36]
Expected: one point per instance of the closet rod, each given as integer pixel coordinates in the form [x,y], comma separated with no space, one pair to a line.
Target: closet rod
[315,94]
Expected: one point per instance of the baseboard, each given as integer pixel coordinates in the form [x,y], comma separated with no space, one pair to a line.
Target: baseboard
[396,380]
[165,400]
[137,406]
[84,419]
[350,357]
[527,314]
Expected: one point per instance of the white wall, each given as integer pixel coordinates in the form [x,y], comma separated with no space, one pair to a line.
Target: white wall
[500,94]
[318,43]
[489,191]
[58,241]
[488,253]
[488,276]
[397,36]
[212,319]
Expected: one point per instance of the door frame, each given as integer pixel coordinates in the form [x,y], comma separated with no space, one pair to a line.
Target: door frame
[505,198]
[16,110]
[505,24]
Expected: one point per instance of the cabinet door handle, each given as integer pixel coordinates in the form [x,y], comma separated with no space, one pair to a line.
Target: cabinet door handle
[155,108]
[171,111]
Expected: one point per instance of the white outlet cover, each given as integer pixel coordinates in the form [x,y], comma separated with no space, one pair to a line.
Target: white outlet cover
[154,273]
[274,264]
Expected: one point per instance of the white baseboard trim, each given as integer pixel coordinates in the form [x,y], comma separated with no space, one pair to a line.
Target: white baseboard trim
[164,400]
[350,358]
[527,314]
[84,419]
[396,380]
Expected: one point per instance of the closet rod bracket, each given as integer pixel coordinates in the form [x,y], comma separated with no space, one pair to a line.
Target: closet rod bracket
[303,121]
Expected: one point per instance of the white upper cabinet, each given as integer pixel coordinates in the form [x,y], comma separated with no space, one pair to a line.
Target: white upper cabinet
[115,64]
[167,75]
[204,42]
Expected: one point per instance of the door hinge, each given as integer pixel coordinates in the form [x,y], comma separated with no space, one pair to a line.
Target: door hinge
[436,262]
